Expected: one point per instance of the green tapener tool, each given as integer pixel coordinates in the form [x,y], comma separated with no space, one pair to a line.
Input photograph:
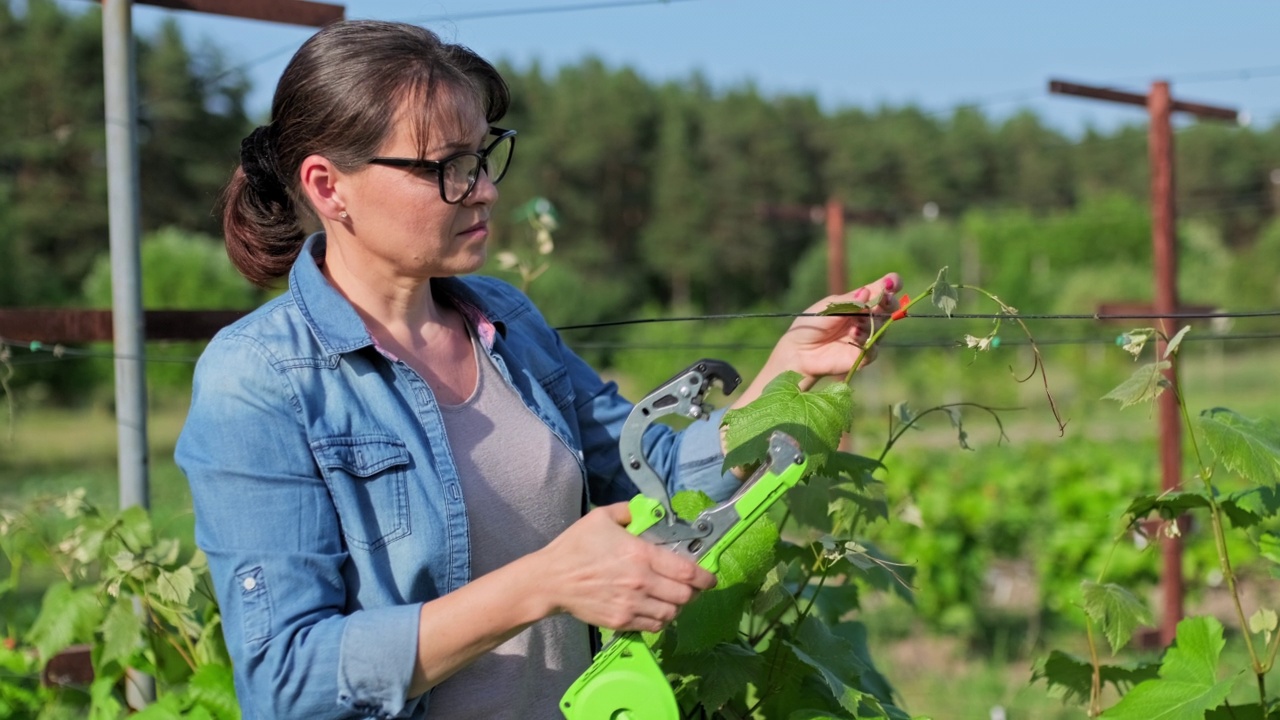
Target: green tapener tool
[624,682]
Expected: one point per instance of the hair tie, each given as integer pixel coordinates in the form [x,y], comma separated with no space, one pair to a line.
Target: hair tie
[258,160]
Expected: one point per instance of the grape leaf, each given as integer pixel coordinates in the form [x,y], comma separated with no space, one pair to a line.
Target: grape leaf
[1170,505]
[67,615]
[847,696]
[1247,508]
[1071,677]
[176,586]
[213,687]
[809,503]
[1172,348]
[814,419]
[1116,609]
[1187,687]
[1145,384]
[857,469]
[713,618]
[1252,711]
[1249,448]
[121,633]
[773,591]
[944,294]
[726,670]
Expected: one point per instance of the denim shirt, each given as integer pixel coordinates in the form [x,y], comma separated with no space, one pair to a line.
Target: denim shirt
[328,502]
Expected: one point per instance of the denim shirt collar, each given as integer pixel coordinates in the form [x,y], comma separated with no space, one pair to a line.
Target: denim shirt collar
[336,324]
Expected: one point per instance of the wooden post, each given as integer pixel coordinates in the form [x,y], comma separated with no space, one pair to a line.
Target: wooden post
[1165,260]
[1160,106]
[837,268]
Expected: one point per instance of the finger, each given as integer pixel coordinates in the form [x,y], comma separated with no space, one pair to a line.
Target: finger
[670,591]
[645,624]
[892,282]
[619,513]
[672,566]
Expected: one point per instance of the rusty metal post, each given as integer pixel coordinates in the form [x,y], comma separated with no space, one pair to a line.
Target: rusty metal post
[837,272]
[1164,244]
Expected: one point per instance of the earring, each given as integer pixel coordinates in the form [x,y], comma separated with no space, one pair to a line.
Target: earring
[343,215]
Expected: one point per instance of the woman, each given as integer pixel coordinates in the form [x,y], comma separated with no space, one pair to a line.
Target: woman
[390,463]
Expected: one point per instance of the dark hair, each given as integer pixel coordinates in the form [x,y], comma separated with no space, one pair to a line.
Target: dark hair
[338,98]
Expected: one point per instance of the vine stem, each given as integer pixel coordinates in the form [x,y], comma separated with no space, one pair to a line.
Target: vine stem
[1035,349]
[1095,689]
[895,436]
[1038,366]
[1219,536]
[8,392]
[187,654]
[875,335]
[757,639]
[822,580]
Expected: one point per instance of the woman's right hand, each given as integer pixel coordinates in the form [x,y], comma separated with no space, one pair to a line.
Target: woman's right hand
[605,576]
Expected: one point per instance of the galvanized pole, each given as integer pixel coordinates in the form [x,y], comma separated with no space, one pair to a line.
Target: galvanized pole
[126,274]
[1165,256]
[126,277]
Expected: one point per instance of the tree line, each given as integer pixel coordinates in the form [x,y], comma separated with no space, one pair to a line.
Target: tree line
[670,196]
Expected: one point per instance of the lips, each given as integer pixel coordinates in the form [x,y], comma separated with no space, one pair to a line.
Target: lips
[482,226]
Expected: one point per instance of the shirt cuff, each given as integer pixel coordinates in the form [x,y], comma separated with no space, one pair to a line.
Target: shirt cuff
[376,662]
[701,458]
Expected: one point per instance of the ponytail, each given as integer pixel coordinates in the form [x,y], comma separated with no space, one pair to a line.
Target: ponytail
[259,218]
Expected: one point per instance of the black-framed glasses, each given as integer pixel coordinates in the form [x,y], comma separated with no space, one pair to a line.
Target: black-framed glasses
[458,173]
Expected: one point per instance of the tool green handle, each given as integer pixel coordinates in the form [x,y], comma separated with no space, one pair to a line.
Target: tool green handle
[625,682]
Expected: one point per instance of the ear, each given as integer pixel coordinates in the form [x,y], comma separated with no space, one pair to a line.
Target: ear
[323,185]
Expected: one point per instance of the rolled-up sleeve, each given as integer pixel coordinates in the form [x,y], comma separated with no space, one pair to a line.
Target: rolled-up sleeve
[266,521]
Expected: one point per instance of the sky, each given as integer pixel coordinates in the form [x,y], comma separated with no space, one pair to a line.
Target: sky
[996,54]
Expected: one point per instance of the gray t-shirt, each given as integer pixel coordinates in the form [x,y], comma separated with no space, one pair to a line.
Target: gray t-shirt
[522,488]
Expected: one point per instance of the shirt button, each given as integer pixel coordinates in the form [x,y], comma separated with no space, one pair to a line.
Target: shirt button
[250,583]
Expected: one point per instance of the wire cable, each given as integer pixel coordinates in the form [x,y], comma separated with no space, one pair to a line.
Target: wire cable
[45,353]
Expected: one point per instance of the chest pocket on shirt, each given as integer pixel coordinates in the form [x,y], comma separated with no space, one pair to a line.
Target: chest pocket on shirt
[368,477]
[557,385]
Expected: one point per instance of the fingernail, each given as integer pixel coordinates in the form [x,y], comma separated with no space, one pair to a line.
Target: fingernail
[890,283]
[861,295]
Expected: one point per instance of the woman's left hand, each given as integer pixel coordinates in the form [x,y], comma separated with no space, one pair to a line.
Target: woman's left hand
[818,347]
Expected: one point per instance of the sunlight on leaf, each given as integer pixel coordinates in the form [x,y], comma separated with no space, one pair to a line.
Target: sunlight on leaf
[1172,348]
[1116,609]
[1264,621]
[1133,341]
[1249,448]
[713,617]
[814,419]
[1145,384]
[1188,686]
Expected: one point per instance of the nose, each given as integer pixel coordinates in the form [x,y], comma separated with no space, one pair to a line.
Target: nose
[484,192]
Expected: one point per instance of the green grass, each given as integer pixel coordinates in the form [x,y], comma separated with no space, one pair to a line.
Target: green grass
[55,450]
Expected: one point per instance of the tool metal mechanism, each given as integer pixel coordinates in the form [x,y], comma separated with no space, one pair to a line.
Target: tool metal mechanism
[625,681]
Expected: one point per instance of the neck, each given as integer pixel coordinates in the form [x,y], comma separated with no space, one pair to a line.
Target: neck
[399,311]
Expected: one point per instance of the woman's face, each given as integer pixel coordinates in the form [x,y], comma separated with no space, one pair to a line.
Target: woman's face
[397,216]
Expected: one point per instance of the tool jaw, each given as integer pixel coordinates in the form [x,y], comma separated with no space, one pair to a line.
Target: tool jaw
[684,395]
